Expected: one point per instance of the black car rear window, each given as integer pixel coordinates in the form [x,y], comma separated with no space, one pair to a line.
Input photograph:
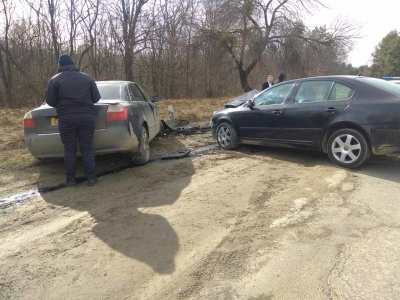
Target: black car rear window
[382,84]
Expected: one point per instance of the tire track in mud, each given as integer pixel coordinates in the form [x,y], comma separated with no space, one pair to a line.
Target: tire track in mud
[254,239]
[250,217]
[221,218]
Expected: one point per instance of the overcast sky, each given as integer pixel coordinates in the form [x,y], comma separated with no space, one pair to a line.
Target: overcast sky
[377,17]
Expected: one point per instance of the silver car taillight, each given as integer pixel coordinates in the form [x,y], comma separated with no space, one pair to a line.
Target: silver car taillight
[116,112]
[28,120]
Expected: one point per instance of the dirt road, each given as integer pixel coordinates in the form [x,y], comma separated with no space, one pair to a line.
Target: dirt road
[248,224]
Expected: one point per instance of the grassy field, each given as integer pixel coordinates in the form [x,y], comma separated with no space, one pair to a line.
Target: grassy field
[11,129]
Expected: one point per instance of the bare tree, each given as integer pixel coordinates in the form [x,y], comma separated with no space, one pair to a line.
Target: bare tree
[125,16]
[87,12]
[174,15]
[48,12]
[249,26]
[5,61]
[175,48]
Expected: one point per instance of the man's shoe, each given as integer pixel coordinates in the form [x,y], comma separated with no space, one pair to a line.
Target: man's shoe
[92,180]
[70,183]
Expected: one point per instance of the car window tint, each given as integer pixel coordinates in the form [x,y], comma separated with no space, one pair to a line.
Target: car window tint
[109,91]
[313,91]
[136,93]
[340,92]
[274,95]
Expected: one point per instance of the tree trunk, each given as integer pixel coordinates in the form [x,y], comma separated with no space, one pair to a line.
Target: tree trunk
[244,74]
[128,62]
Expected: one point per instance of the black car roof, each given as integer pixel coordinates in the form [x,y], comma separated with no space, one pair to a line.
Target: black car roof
[327,77]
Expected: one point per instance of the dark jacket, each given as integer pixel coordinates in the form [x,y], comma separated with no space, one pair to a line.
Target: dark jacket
[72,91]
[267,85]
[281,77]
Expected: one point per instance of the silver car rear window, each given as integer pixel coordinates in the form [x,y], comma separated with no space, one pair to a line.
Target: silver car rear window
[109,91]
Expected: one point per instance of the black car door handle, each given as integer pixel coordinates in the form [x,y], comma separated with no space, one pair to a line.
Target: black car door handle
[331,110]
[276,112]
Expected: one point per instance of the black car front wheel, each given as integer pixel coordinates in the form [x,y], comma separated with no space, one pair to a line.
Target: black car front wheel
[227,136]
[348,148]
[143,154]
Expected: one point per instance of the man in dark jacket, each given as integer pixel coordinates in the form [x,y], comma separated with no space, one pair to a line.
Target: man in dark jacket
[73,94]
[268,83]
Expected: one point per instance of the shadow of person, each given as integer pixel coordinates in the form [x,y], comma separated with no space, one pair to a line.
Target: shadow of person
[123,205]
[148,238]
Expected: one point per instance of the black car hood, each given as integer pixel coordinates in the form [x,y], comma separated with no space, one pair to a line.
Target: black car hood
[238,101]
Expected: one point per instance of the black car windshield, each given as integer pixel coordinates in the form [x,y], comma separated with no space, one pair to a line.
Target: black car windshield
[109,91]
[383,84]
[274,95]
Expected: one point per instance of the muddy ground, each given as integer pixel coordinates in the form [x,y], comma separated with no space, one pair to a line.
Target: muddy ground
[256,223]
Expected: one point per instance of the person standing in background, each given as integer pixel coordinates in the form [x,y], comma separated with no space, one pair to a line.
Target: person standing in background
[268,83]
[281,77]
[73,94]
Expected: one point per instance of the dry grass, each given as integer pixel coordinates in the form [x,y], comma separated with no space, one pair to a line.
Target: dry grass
[14,155]
[11,128]
[197,111]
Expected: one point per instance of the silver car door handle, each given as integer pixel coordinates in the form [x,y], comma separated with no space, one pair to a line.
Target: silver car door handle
[276,112]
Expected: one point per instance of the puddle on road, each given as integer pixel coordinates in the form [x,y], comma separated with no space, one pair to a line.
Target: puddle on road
[19,197]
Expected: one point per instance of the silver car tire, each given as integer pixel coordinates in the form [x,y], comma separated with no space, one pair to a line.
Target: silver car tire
[348,148]
[162,130]
[143,155]
[227,136]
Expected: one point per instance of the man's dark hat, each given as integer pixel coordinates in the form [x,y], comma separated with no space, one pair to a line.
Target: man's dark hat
[65,60]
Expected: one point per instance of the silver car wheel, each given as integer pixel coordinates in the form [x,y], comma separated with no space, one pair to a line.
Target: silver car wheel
[346,148]
[146,143]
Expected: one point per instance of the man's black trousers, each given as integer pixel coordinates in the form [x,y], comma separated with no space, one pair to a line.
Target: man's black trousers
[77,128]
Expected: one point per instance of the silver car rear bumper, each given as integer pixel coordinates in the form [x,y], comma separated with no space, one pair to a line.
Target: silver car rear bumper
[105,141]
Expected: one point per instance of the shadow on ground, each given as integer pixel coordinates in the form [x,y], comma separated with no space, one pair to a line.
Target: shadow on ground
[382,166]
[121,203]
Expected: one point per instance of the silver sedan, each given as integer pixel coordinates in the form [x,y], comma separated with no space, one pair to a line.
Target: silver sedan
[127,119]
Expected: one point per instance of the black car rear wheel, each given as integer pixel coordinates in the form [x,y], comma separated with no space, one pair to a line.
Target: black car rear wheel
[227,136]
[143,154]
[348,148]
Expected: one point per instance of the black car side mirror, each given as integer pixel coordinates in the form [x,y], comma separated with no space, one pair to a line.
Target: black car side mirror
[249,103]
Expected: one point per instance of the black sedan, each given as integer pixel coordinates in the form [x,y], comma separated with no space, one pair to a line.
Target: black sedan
[347,117]
[127,119]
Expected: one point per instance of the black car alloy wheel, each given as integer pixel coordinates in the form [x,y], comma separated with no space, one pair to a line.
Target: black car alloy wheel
[348,148]
[227,136]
